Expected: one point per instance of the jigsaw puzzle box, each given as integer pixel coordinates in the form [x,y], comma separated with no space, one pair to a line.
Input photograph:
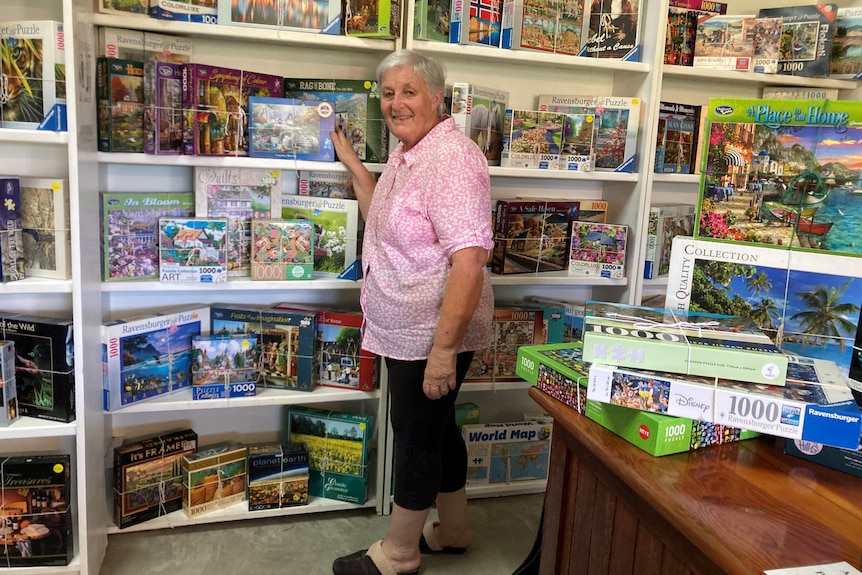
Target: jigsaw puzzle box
[315,16]
[277,475]
[793,162]
[341,361]
[45,229]
[336,232]
[282,250]
[662,434]
[11,238]
[143,46]
[286,341]
[514,325]
[339,446]
[326,184]
[558,370]
[193,250]
[806,38]
[846,460]
[682,28]
[815,404]
[371,18]
[240,195]
[506,453]
[224,366]
[130,231]
[782,291]
[532,235]
[185,10]
[479,113]
[163,108]
[615,127]
[35,511]
[213,478]
[846,61]
[33,53]
[217,108]
[9,411]
[695,343]
[598,250]
[546,25]
[120,105]
[573,316]
[291,129]
[724,42]
[148,476]
[477,22]
[357,112]
[149,355]
[611,30]
[44,365]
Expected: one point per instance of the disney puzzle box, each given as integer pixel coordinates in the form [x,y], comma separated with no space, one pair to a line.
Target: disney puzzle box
[695,343]
[815,404]
[149,355]
[783,173]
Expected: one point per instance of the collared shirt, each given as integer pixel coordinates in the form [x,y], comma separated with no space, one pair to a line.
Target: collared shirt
[429,203]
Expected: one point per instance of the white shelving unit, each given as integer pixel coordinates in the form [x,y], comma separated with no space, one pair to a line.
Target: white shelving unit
[525,74]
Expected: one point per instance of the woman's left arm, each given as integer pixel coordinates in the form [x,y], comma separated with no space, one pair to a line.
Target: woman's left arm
[460,299]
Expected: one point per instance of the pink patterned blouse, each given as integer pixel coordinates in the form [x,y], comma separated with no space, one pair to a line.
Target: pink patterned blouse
[429,203]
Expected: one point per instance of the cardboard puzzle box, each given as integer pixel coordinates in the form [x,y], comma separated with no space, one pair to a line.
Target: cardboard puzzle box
[505,453]
[35,511]
[217,108]
[120,105]
[846,460]
[150,355]
[783,292]
[213,478]
[695,343]
[357,111]
[514,326]
[662,434]
[339,446]
[532,235]
[130,231]
[224,366]
[9,410]
[815,404]
[34,63]
[782,173]
[557,369]
[45,229]
[336,233]
[291,129]
[286,342]
[277,475]
[44,365]
[316,17]
[193,250]
[11,237]
[282,250]
[148,476]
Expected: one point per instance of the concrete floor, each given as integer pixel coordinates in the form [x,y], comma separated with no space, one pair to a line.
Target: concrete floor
[504,527]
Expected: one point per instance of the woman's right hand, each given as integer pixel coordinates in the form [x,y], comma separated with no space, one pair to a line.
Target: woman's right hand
[344,150]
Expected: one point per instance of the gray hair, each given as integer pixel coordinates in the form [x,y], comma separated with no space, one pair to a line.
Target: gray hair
[430,70]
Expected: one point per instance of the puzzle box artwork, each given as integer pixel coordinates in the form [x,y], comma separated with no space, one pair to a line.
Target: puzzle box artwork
[193,250]
[783,173]
[282,250]
[291,129]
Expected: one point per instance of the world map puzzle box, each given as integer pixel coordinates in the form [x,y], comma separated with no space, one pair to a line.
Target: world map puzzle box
[505,453]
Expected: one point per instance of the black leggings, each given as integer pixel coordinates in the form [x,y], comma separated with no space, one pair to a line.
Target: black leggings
[430,455]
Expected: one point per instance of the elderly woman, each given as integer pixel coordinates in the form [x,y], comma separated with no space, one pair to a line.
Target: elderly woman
[427,304]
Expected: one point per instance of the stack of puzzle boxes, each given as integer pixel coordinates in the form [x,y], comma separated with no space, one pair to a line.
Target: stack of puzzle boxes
[716,368]
[9,410]
[213,478]
[560,371]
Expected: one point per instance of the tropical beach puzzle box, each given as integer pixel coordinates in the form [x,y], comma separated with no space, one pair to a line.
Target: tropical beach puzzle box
[808,302]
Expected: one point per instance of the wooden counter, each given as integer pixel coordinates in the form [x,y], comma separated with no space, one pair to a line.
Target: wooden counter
[738,508]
